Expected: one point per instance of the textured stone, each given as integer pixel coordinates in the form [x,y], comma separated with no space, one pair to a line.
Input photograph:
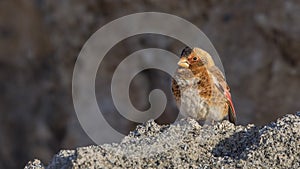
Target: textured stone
[186,144]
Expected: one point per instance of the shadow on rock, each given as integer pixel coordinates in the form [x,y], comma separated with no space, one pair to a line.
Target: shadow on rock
[238,145]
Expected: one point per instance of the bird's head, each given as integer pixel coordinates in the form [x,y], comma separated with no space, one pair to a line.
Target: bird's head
[193,58]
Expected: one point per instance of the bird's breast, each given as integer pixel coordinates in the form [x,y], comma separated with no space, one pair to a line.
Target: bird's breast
[186,78]
[191,103]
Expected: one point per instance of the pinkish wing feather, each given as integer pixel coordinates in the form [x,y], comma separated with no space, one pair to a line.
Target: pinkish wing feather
[221,84]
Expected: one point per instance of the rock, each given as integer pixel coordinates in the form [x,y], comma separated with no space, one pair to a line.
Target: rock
[37,164]
[186,144]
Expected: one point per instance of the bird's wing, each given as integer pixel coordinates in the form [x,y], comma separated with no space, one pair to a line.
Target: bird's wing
[176,91]
[220,83]
[218,77]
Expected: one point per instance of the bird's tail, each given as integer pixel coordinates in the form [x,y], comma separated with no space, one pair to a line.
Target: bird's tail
[231,111]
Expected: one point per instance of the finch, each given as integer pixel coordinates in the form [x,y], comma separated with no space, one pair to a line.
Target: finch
[200,88]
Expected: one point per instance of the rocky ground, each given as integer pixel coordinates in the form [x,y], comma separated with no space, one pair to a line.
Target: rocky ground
[186,144]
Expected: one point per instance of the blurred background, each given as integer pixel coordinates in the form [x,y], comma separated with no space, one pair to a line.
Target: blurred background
[258,43]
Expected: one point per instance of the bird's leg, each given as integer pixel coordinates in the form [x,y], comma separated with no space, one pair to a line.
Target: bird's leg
[209,122]
[213,122]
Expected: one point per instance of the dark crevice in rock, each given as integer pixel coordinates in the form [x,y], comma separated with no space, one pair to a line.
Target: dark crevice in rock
[238,145]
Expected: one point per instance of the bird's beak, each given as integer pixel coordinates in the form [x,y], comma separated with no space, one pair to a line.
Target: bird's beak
[183,62]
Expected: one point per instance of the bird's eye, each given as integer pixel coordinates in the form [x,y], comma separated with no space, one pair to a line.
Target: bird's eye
[195,58]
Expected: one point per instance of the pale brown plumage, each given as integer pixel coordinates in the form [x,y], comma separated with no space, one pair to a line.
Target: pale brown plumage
[200,88]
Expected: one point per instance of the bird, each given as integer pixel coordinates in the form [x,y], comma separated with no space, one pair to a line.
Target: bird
[200,89]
